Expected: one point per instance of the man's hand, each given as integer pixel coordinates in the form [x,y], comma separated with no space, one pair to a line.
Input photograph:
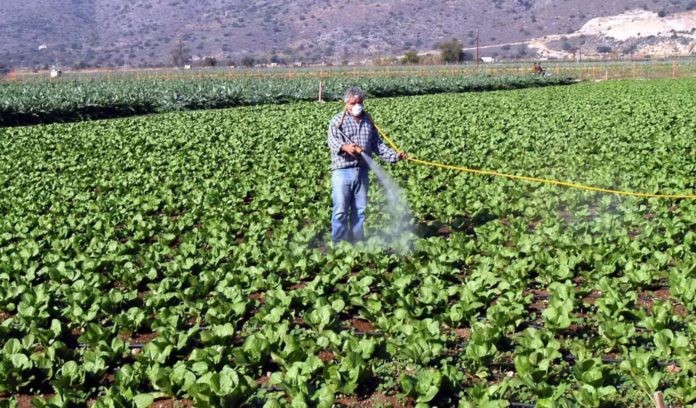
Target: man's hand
[352,149]
[402,155]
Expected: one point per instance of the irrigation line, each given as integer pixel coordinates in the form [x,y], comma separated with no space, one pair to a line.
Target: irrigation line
[533,179]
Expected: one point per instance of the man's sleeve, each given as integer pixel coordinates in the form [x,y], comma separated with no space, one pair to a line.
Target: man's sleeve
[335,140]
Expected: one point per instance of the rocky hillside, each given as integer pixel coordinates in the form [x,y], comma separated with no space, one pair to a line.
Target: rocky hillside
[147,32]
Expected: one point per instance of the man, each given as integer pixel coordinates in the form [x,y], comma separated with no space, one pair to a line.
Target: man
[538,69]
[352,134]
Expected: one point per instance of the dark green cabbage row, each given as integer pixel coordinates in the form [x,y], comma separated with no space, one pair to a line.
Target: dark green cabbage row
[84,99]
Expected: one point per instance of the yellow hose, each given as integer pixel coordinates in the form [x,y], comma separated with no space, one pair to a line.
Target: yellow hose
[532,179]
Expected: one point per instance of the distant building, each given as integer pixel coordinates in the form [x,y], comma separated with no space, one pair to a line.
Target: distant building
[55,73]
[42,47]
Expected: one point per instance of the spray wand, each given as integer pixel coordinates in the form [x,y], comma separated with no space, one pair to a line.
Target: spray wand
[347,140]
[345,137]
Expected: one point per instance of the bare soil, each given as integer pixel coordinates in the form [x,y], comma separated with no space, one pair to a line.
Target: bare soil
[362,326]
[374,400]
[172,403]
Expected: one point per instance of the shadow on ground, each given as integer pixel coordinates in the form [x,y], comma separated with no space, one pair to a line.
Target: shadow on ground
[430,227]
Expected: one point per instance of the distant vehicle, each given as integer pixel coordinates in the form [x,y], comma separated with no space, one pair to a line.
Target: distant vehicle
[488,60]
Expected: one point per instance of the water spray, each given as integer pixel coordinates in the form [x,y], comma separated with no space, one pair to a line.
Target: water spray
[398,206]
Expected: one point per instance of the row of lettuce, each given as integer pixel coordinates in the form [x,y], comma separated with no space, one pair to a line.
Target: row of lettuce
[185,257]
[81,99]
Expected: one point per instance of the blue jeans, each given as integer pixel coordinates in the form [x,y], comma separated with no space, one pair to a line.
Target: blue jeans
[349,202]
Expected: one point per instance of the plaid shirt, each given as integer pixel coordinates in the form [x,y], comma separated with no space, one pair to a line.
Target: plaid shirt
[362,133]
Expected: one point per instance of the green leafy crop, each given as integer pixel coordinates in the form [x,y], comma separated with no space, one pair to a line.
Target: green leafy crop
[186,256]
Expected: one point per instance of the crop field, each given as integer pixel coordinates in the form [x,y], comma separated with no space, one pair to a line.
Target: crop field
[32,98]
[589,69]
[184,258]
[83,98]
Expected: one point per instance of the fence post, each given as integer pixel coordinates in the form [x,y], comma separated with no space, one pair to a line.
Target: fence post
[321,99]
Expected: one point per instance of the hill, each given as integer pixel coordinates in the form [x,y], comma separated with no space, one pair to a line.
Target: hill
[147,32]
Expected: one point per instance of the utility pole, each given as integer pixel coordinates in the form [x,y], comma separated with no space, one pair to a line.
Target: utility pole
[477,49]
[181,54]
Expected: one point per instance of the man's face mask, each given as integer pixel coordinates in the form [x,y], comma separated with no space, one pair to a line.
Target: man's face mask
[357,109]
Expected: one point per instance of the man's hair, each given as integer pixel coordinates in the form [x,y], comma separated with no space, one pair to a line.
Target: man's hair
[353,91]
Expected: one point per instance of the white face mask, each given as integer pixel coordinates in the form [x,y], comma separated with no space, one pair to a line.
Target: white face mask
[357,109]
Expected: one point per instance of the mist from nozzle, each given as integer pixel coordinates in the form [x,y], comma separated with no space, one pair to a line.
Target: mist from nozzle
[399,210]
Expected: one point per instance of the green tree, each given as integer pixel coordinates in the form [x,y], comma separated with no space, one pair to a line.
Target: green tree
[247,61]
[277,59]
[522,51]
[411,57]
[80,65]
[451,51]
[209,62]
